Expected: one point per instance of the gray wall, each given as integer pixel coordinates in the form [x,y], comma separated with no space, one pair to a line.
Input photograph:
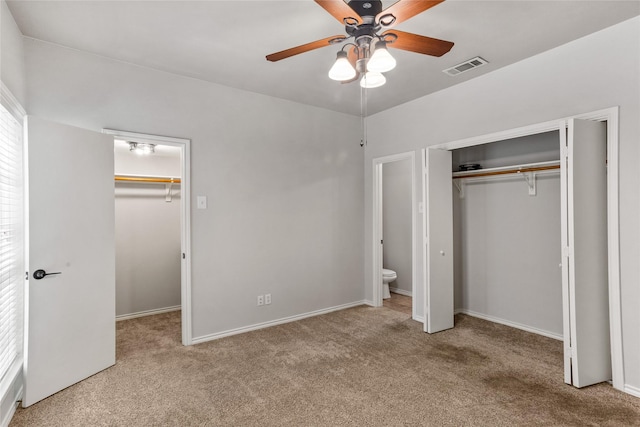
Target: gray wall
[284,181]
[396,217]
[12,71]
[507,251]
[147,233]
[598,71]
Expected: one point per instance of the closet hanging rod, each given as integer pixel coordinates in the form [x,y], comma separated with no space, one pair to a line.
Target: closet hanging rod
[147,179]
[508,171]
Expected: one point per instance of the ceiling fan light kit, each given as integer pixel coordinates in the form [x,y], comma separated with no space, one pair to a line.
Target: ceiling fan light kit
[368,55]
[381,61]
[372,79]
[342,69]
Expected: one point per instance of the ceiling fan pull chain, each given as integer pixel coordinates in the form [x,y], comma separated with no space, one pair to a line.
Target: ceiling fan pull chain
[363,113]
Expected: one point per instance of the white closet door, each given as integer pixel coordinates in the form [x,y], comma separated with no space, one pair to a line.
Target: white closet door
[70,328]
[585,185]
[439,250]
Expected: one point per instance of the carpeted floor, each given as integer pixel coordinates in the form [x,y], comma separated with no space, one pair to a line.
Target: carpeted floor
[358,367]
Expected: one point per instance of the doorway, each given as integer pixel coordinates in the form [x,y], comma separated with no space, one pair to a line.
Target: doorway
[152,226]
[394,226]
[611,226]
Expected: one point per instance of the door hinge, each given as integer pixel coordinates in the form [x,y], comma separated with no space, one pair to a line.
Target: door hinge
[26,277]
[184,256]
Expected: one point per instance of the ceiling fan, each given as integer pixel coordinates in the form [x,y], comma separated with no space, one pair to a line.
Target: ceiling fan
[370,28]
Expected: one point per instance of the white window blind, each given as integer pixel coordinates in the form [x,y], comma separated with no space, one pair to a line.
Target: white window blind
[11,240]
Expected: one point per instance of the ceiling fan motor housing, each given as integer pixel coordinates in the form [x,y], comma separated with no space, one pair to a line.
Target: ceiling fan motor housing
[366,7]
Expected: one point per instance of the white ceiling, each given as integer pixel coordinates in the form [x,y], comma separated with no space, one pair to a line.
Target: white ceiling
[226,41]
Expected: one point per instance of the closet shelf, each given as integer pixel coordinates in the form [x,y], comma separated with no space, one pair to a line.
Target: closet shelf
[147,179]
[526,168]
[527,171]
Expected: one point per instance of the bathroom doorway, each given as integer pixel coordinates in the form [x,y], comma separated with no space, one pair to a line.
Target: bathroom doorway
[152,228]
[394,225]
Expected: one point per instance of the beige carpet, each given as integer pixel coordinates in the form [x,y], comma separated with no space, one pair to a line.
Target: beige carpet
[357,367]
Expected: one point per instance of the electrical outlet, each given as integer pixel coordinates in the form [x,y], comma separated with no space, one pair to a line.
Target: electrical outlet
[267,299]
[260,300]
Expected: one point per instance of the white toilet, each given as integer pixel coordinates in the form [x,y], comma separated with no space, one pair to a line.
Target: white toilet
[388,276]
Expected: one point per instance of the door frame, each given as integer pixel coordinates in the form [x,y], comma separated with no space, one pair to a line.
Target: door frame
[185,216]
[378,163]
[611,116]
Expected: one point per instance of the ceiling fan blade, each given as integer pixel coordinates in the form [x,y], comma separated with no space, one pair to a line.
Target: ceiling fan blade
[339,10]
[405,9]
[304,48]
[419,44]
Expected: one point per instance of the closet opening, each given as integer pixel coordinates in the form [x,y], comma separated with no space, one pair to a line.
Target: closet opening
[535,237]
[151,229]
[507,232]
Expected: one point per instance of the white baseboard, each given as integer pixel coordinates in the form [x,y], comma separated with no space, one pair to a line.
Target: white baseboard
[400,291]
[633,391]
[236,331]
[419,319]
[11,393]
[516,325]
[148,313]
[368,302]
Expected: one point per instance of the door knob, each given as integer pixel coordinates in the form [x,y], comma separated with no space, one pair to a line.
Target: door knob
[40,274]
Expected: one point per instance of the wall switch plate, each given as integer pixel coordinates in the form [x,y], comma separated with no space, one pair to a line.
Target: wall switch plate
[202,202]
[260,300]
[267,299]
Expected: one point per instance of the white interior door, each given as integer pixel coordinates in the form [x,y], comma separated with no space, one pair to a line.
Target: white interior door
[439,232]
[588,350]
[70,315]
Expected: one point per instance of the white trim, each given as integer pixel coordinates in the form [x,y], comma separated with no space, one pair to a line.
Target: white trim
[633,391]
[147,313]
[368,302]
[400,291]
[143,137]
[613,235]
[425,303]
[516,325]
[418,318]
[185,217]
[377,225]
[611,116]
[11,103]
[289,319]
[9,394]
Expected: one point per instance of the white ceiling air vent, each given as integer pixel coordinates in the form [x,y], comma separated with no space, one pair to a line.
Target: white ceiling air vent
[467,65]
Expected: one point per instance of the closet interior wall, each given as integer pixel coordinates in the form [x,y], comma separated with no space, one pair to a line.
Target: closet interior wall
[507,247]
[147,233]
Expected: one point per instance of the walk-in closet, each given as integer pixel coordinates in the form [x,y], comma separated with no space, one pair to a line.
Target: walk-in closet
[148,231]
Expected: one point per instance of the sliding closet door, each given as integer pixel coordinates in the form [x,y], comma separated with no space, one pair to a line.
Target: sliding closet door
[439,232]
[585,186]
[70,327]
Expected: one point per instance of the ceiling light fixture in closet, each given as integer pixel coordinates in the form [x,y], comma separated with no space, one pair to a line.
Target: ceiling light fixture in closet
[142,148]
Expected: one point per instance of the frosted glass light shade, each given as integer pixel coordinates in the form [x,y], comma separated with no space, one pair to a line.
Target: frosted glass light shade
[381,60]
[342,69]
[372,79]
